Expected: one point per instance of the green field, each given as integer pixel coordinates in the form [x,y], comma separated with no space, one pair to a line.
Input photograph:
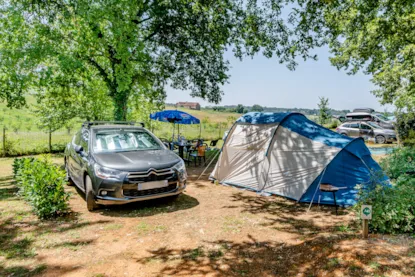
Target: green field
[23,135]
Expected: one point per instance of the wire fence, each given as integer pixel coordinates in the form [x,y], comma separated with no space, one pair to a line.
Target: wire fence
[19,143]
[205,131]
[15,142]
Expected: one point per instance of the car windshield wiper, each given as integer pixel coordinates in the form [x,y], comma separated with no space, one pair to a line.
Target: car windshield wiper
[133,150]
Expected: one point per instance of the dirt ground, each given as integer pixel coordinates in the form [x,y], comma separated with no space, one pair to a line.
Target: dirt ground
[210,230]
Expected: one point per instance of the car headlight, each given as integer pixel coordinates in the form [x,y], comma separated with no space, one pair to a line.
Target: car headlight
[107,173]
[180,167]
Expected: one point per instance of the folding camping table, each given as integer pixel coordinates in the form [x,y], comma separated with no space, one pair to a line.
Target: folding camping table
[330,188]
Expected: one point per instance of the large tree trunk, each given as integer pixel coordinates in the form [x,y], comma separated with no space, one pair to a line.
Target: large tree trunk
[120,105]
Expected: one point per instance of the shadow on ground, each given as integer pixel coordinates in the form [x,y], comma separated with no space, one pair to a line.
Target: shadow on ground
[317,257]
[18,229]
[148,207]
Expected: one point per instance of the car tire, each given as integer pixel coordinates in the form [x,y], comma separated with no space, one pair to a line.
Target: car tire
[380,139]
[89,195]
[343,134]
[68,177]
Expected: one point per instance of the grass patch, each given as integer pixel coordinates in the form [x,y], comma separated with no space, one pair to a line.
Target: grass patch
[23,271]
[232,224]
[343,228]
[16,249]
[333,262]
[194,253]
[113,226]
[374,265]
[145,229]
[215,254]
[74,246]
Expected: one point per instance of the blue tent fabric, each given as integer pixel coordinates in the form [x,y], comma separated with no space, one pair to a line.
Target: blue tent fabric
[175,116]
[262,118]
[352,166]
[346,170]
[300,124]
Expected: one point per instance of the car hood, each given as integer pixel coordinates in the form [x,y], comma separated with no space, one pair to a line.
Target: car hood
[137,160]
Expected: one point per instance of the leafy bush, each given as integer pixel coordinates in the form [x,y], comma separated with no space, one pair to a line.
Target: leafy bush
[401,161]
[393,206]
[410,139]
[10,147]
[41,184]
[333,124]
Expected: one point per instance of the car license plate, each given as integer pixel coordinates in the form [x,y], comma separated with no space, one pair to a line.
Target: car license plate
[153,185]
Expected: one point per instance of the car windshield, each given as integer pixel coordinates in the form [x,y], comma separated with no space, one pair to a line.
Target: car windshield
[381,116]
[123,141]
[374,125]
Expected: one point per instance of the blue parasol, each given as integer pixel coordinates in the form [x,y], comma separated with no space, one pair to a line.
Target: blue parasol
[175,116]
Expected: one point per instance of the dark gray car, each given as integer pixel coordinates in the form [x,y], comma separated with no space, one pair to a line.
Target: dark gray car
[367,129]
[117,164]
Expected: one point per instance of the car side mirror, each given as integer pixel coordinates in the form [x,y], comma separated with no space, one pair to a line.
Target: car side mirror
[79,149]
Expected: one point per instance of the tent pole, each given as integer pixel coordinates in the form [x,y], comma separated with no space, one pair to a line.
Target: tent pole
[319,182]
[208,165]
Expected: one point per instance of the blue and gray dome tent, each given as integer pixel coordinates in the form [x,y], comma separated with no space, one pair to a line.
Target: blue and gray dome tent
[288,155]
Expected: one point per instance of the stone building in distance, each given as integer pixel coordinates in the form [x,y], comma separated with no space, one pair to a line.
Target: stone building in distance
[189,105]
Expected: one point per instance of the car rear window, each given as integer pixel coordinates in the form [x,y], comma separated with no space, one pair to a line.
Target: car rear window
[123,141]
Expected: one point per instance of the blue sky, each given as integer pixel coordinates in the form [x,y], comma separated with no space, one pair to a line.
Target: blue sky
[266,82]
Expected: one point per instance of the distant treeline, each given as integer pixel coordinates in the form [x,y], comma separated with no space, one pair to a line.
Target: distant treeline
[258,108]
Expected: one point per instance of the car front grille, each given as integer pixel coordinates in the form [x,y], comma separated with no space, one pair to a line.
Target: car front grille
[130,186]
[131,192]
[152,175]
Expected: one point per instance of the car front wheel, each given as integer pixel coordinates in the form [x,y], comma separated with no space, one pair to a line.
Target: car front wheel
[89,195]
[380,139]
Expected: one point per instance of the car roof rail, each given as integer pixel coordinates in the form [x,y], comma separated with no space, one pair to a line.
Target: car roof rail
[91,123]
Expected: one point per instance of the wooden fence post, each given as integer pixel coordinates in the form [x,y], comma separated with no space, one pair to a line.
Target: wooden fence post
[4,141]
[50,142]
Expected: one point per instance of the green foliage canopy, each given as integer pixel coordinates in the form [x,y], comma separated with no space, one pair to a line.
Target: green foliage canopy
[375,36]
[137,47]
[257,108]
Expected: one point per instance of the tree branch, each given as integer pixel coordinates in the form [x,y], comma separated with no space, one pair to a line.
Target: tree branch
[102,72]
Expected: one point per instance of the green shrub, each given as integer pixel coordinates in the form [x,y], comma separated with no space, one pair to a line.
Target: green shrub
[41,184]
[401,161]
[334,123]
[393,206]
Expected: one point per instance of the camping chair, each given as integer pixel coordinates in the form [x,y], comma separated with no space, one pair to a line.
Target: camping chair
[332,189]
[213,143]
[198,154]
